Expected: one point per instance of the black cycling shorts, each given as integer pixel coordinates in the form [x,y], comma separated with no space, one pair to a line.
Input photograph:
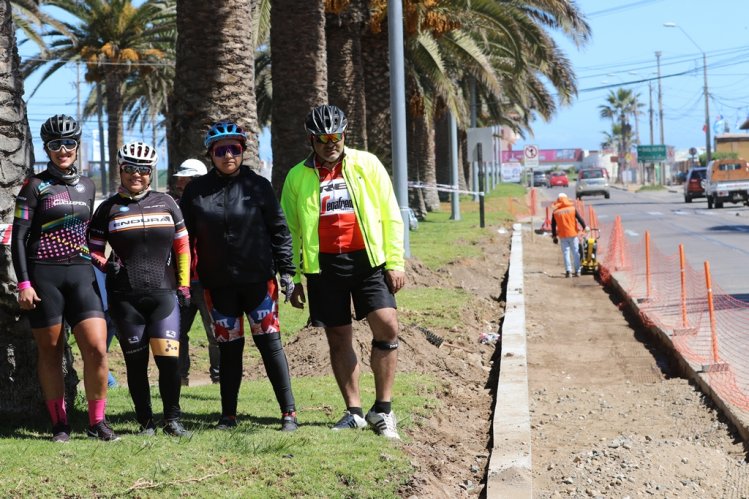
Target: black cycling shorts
[146,318]
[344,279]
[66,291]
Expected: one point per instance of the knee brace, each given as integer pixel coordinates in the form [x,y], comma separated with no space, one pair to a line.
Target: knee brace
[384,345]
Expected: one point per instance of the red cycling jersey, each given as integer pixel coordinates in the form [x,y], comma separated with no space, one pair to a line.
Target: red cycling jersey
[339,230]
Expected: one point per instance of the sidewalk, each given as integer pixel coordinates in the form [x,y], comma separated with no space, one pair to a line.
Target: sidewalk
[607,412]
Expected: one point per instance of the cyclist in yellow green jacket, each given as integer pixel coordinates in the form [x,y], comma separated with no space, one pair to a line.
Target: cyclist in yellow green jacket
[347,239]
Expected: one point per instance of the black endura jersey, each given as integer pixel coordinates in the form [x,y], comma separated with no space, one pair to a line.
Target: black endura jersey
[144,234]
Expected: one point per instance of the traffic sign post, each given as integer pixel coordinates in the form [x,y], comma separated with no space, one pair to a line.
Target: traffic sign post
[530,156]
[652,153]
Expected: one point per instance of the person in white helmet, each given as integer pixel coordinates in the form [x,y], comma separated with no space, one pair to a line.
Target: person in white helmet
[187,171]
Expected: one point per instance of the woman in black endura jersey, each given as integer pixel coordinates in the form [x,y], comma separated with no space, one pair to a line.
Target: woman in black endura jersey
[146,276]
[56,281]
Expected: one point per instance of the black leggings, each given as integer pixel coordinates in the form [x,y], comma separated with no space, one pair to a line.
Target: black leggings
[146,319]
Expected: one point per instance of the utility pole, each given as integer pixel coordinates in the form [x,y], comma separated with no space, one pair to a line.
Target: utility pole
[660,95]
[708,141]
[650,110]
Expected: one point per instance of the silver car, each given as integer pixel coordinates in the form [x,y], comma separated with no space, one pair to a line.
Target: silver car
[592,181]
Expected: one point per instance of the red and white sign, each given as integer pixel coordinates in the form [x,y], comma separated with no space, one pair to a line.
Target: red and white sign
[530,156]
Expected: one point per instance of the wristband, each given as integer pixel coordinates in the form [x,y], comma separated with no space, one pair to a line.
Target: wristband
[24,285]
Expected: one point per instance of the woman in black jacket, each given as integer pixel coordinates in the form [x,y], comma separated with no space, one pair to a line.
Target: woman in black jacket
[240,238]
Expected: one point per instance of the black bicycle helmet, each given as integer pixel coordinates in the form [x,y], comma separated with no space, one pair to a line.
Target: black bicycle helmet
[60,126]
[326,119]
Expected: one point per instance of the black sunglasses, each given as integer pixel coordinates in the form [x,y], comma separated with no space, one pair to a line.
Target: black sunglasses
[234,149]
[130,169]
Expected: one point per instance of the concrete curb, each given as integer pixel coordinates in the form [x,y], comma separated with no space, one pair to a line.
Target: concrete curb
[510,472]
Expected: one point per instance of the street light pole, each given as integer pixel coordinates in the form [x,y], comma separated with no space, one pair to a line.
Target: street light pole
[660,96]
[708,141]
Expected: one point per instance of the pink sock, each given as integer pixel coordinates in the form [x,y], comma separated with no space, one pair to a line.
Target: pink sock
[96,410]
[57,412]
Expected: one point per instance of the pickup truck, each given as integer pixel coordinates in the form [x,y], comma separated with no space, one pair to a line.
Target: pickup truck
[727,181]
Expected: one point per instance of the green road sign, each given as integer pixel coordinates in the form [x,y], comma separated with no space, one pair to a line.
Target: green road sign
[653,153]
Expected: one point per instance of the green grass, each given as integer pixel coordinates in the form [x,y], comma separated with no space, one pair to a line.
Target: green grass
[256,460]
[439,240]
[646,188]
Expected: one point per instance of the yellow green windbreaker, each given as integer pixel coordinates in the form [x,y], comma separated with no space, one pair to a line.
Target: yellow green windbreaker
[376,209]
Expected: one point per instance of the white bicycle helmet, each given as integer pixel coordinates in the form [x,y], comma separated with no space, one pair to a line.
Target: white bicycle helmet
[191,168]
[137,153]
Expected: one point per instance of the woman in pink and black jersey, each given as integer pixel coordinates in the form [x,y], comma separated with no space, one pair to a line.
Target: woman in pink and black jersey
[56,281]
[147,277]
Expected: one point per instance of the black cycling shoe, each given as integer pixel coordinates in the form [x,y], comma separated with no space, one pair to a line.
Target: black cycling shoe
[226,423]
[61,433]
[148,429]
[175,429]
[102,431]
[289,423]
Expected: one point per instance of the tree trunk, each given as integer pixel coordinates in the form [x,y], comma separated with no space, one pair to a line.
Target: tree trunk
[345,73]
[415,166]
[114,126]
[214,77]
[376,67]
[300,77]
[442,159]
[20,394]
[421,164]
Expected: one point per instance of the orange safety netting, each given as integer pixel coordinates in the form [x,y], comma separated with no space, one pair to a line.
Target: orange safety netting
[706,325]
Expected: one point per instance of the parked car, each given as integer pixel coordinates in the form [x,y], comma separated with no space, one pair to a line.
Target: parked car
[558,179]
[540,179]
[694,183]
[592,181]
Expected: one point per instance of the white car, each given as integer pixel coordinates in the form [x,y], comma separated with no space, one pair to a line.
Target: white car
[592,181]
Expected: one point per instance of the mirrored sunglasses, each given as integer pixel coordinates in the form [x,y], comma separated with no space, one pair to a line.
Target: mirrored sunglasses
[130,169]
[234,149]
[57,144]
[329,137]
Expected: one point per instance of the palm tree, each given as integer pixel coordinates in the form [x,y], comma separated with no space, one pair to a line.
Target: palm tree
[115,40]
[20,393]
[214,75]
[344,24]
[30,19]
[620,104]
[503,47]
[298,67]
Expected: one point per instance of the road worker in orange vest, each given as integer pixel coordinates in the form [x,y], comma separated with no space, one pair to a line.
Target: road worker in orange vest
[564,226]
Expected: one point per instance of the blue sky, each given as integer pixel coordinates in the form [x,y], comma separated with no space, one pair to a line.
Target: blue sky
[626,34]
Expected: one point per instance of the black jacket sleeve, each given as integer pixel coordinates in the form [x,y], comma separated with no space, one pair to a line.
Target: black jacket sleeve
[580,219]
[26,202]
[278,230]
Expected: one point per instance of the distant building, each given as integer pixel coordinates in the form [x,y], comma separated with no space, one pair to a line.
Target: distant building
[734,142]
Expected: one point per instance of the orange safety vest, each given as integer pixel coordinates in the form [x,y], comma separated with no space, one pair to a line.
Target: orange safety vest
[564,216]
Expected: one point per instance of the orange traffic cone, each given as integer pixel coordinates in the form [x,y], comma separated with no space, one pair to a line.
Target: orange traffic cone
[546,226]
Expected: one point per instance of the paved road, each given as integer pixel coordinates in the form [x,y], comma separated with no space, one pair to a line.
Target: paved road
[719,236]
